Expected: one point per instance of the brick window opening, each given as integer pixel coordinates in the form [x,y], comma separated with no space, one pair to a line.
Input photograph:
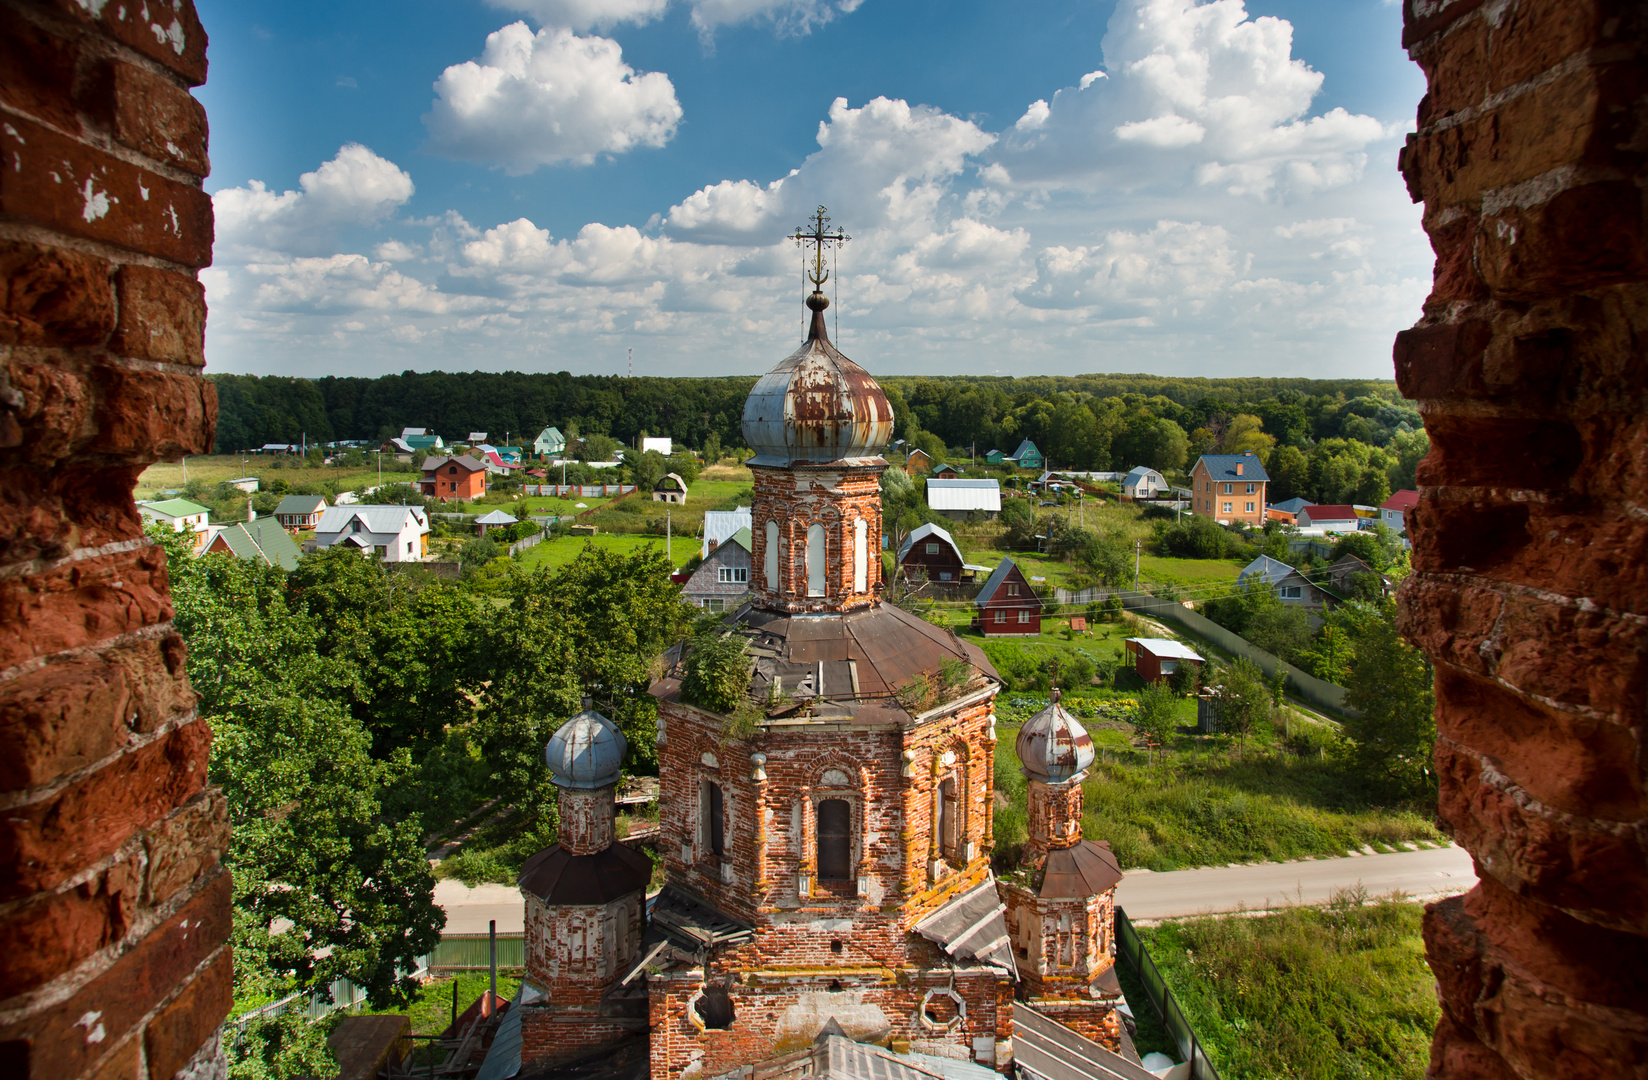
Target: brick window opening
[835,947]
[940,1010]
[949,818]
[835,984]
[834,840]
[712,812]
[715,1009]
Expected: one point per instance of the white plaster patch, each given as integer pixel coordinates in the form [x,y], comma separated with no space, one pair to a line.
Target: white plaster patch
[143,191]
[97,202]
[859,1019]
[93,1024]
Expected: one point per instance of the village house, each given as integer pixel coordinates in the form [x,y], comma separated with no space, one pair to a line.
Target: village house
[721,524]
[1338,517]
[392,533]
[300,512]
[918,462]
[181,514]
[670,488]
[1393,512]
[475,438]
[956,499]
[1341,576]
[930,553]
[1156,658]
[722,580]
[262,540]
[995,457]
[946,471]
[1291,587]
[1027,456]
[1007,605]
[1229,488]
[549,443]
[453,479]
[248,484]
[1144,483]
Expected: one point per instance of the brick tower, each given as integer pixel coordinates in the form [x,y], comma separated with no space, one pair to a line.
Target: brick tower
[585,904]
[1061,905]
[826,847]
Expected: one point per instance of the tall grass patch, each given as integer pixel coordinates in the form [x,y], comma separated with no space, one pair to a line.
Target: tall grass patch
[1334,993]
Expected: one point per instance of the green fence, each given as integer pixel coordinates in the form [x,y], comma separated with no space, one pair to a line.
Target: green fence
[468,952]
[1131,949]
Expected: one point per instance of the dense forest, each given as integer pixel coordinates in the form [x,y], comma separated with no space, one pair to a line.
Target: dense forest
[1085,421]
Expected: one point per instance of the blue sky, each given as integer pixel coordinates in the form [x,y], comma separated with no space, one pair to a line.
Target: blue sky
[1154,185]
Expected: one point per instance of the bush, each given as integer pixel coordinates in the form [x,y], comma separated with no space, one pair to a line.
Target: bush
[1199,538]
[718,672]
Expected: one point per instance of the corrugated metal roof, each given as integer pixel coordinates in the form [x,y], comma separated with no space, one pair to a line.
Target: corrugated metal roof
[1222,467]
[964,495]
[301,504]
[1164,649]
[1264,568]
[503,1057]
[970,927]
[1048,1050]
[373,518]
[174,508]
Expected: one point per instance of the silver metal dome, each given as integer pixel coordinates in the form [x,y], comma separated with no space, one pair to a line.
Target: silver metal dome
[816,405]
[586,752]
[1053,746]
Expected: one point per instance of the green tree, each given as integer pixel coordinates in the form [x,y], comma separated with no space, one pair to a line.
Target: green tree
[1244,701]
[717,672]
[1153,720]
[1373,488]
[1280,629]
[1392,737]
[1289,474]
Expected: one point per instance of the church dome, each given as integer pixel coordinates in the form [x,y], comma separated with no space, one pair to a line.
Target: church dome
[816,405]
[1053,746]
[586,751]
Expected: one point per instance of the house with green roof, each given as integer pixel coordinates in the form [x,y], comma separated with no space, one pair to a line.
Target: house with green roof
[181,514]
[262,541]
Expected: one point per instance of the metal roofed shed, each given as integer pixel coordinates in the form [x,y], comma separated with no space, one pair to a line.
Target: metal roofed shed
[964,496]
[1155,658]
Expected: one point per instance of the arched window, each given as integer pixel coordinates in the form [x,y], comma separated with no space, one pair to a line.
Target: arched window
[861,555]
[712,817]
[834,840]
[949,817]
[815,560]
[770,559]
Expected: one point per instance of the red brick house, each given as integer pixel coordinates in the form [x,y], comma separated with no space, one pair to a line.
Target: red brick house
[1007,605]
[453,479]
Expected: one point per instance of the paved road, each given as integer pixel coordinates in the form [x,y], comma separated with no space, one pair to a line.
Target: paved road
[1424,874]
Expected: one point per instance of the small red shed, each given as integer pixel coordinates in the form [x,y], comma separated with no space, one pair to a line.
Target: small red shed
[1156,658]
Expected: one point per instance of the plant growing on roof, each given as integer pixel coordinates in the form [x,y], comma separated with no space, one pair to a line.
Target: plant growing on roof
[717,672]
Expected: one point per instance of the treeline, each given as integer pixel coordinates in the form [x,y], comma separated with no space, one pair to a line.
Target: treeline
[1087,421]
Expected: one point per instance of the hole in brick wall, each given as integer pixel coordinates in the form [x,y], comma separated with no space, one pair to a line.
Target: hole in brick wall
[835,986]
[715,1009]
[835,947]
[940,1010]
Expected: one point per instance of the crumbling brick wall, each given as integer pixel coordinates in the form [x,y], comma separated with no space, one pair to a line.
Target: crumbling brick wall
[114,912]
[1530,589]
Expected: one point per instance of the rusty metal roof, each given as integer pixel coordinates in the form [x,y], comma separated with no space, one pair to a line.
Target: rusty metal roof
[1087,869]
[971,927]
[816,406]
[556,876]
[1052,745]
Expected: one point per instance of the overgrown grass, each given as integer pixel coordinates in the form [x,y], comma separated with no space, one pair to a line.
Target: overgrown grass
[431,1011]
[558,552]
[1334,993]
[1202,802]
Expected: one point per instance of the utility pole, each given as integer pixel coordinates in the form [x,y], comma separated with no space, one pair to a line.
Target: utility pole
[1138,546]
[668,539]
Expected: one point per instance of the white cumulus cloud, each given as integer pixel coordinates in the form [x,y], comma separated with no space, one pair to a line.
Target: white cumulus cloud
[586,14]
[548,98]
[355,188]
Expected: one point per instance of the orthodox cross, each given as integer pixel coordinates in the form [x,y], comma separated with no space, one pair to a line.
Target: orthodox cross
[821,241]
[1053,669]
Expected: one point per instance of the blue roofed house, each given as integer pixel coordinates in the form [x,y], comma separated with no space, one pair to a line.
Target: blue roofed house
[1027,456]
[1229,488]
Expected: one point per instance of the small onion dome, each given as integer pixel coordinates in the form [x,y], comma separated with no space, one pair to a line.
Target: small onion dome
[1053,746]
[816,405]
[586,752]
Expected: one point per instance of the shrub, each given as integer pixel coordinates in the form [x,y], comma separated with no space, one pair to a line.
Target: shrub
[1199,538]
[717,672]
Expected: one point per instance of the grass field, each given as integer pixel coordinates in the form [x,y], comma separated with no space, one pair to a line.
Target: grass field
[216,468]
[1305,994]
[557,553]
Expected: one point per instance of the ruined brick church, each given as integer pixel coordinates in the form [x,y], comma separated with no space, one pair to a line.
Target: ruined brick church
[829,877]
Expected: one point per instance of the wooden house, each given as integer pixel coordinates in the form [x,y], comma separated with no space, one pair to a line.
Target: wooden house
[1007,606]
[1156,658]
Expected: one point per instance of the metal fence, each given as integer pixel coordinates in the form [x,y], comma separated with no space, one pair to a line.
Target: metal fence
[468,952]
[1131,949]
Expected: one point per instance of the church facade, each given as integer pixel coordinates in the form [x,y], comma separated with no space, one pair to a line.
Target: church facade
[828,842]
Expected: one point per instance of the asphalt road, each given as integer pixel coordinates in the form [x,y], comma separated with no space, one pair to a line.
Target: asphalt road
[1424,875]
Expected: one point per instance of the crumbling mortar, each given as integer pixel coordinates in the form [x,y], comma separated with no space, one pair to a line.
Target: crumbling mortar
[154,632]
[1509,588]
[27,232]
[138,740]
[41,567]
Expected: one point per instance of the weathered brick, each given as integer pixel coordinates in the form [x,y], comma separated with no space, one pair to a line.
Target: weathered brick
[53,297]
[56,404]
[48,513]
[161,415]
[187,844]
[162,316]
[68,1038]
[155,116]
[48,841]
[172,1038]
[125,1064]
[167,31]
[83,603]
[1441,359]
[1423,18]
[37,70]
[1577,238]
[58,930]
[63,184]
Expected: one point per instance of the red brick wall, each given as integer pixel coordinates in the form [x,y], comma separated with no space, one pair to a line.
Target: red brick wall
[113,908]
[797,498]
[1529,538]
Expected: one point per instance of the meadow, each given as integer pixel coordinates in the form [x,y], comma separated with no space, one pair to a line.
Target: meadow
[1329,993]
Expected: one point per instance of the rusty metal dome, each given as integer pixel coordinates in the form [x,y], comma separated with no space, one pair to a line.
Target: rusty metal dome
[816,406]
[1053,746]
[586,752]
